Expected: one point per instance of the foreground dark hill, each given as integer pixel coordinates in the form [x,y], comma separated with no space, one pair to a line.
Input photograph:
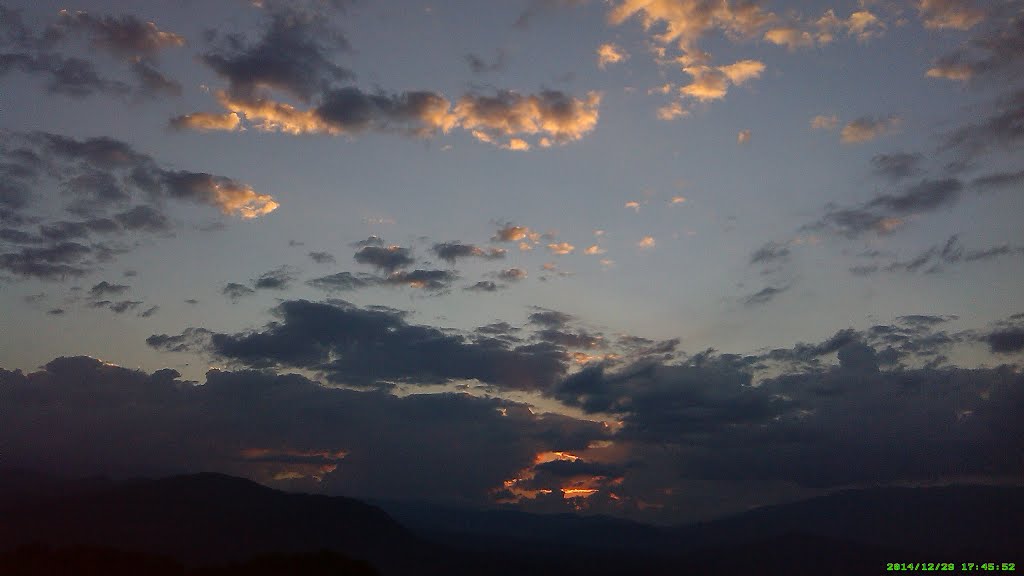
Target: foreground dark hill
[211,524]
[199,519]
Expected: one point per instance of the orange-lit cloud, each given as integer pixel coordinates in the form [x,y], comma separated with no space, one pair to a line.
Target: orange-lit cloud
[799,33]
[821,122]
[610,54]
[646,242]
[561,248]
[594,250]
[204,121]
[712,83]
[676,200]
[513,233]
[866,128]
[553,116]
[743,137]
[952,71]
[672,111]
[633,204]
[955,14]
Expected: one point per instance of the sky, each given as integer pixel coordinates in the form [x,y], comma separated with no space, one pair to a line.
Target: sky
[658,259]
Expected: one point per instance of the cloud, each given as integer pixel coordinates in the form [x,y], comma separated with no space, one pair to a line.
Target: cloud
[898,166]
[769,253]
[955,14]
[478,65]
[72,77]
[55,262]
[998,180]
[1003,129]
[824,122]
[105,288]
[322,257]
[277,279]
[451,251]
[866,128]
[483,286]
[512,274]
[205,121]
[553,116]
[683,22]
[367,347]
[789,36]
[389,259]
[343,281]
[765,295]
[230,196]
[561,248]
[119,422]
[429,280]
[610,54]
[996,50]
[125,36]
[743,137]
[807,33]
[646,242]
[713,83]
[550,318]
[235,291]
[292,55]
[1007,341]
[885,212]
[594,250]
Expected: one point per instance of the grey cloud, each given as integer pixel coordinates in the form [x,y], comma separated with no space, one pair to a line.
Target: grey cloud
[1004,128]
[881,214]
[120,422]
[153,82]
[343,281]
[1006,341]
[72,77]
[148,312]
[293,55]
[388,259]
[550,318]
[897,166]
[105,288]
[235,291]
[770,252]
[998,180]
[484,286]
[765,295]
[125,36]
[322,257]
[350,110]
[276,279]
[366,347]
[451,251]
[512,274]
[52,262]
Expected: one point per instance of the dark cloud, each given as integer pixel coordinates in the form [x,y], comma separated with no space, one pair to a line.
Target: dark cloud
[54,262]
[769,253]
[389,259]
[897,166]
[344,281]
[235,291]
[72,77]
[143,217]
[1006,341]
[322,257]
[351,110]
[550,318]
[152,82]
[430,280]
[451,251]
[370,241]
[512,274]
[996,51]
[952,251]
[765,295]
[293,55]
[119,307]
[884,212]
[149,312]
[483,286]
[105,288]
[1003,129]
[124,36]
[125,423]
[56,312]
[365,347]
[478,65]
[998,180]
[277,279]
[190,339]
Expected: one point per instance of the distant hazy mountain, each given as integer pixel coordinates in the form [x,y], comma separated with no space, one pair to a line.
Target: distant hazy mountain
[212,519]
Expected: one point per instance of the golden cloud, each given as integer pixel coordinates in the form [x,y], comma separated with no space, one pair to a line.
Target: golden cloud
[743,137]
[561,248]
[204,121]
[594,250]
[955,14]
[646,242]
[610,54]
[866,128]
[824,122]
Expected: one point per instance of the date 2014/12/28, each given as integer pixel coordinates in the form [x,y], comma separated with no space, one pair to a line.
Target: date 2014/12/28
[951,566]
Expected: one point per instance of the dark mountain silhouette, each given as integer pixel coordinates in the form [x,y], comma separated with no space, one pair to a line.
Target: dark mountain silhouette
[212,525]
